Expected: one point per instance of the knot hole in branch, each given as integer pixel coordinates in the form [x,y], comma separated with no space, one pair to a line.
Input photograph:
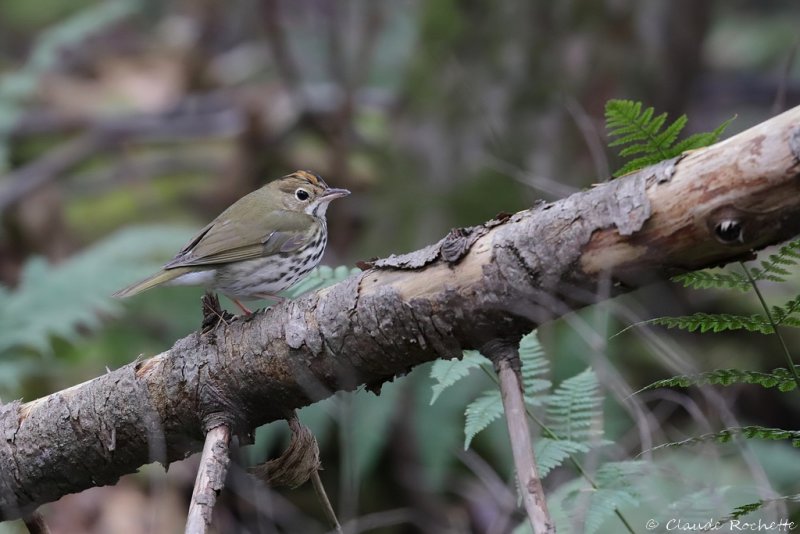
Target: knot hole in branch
[728,225]
[729,231]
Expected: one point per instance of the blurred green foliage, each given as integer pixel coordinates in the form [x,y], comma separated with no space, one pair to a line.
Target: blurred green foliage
[466,109]
[72,299]
[18,86]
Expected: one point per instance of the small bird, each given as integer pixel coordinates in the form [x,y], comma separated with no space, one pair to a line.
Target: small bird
[261,245]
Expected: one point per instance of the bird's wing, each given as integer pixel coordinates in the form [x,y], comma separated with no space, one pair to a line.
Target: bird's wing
[225,240]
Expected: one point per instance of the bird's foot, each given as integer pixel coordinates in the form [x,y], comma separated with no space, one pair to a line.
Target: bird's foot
[247,313]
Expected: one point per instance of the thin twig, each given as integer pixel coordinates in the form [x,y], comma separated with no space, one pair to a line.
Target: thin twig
[35,523]
[506,361]
[210,479]
[549,433]
[319,489]
[575,462]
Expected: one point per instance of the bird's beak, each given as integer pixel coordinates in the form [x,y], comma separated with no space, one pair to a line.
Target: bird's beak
[332,193]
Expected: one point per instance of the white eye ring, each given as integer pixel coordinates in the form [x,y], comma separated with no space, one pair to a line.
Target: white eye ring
[301,194]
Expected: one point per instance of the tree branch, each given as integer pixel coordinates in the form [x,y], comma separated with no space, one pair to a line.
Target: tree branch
[210,479]
[493,281]
[505,357]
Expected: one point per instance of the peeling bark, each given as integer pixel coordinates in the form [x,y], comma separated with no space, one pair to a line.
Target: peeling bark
[494,281]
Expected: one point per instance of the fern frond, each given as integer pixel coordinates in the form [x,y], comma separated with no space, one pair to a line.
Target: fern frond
[604,503]
[614,489]
[715,322]
[642,133]
[771,270]
[55,300]
[727,434]
[448,372]
[784,314]
[781,378]
[745,509]
[713,279]
[700,140]
[534,366]
[574,410]
[551,453]
[481,413]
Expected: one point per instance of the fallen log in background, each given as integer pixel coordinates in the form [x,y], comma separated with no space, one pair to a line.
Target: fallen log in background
[476,286]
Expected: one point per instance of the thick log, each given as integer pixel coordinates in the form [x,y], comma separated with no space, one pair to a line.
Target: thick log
[479,284]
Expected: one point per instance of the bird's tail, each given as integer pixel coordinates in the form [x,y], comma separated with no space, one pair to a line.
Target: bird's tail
[157,279]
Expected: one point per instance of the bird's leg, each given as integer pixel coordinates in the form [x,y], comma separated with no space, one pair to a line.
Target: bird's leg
[266,296]
[245,309]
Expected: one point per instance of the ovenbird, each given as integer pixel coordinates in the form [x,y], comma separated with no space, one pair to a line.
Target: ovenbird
[261,245]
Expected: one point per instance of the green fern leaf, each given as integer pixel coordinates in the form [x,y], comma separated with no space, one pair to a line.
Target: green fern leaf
[480,413]
[788,254]
[667,138]
[604,504]
[448,372]
[743,510]
[658,141]
[746,509]
[57,300]
[614,490]
[551,453]
[534,367]
[727,434]
[700,140]
[642,134]
[574,411]
[716,322]
[783,314]
[780,378]
[713,279]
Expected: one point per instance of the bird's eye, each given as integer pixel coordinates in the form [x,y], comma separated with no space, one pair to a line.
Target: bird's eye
[301,194]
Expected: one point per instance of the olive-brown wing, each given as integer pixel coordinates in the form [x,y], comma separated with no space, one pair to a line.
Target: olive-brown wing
[227,239]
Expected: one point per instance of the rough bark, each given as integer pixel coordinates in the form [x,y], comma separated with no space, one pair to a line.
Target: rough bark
[489,282]
[210,480]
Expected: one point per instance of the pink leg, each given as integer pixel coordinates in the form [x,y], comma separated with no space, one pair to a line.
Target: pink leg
[245,309]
